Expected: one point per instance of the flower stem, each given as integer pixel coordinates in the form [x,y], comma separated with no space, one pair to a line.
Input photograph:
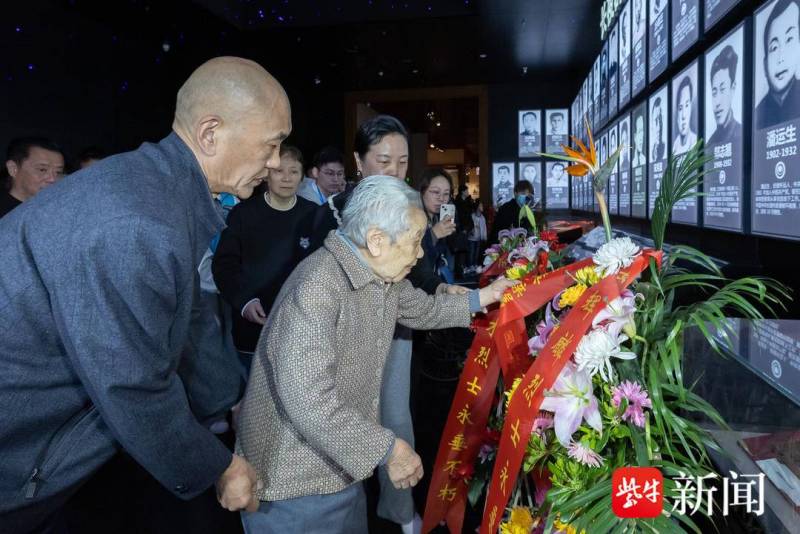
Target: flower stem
[601,201]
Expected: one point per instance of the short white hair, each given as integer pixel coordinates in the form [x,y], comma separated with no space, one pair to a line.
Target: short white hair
[382,202]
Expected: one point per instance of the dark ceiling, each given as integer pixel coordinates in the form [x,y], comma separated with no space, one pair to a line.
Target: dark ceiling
[396,43]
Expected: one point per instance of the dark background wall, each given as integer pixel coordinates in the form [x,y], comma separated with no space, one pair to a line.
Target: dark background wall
[70,74]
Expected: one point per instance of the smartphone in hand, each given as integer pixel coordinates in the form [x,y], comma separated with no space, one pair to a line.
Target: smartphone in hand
[447,210]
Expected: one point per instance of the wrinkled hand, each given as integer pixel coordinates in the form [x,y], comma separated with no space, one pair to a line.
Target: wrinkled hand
[494,291]
[404,466]
[453,289]
[237,486]
[444,228]
[254,312]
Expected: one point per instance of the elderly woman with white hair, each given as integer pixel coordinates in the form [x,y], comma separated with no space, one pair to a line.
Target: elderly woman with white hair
[309,422]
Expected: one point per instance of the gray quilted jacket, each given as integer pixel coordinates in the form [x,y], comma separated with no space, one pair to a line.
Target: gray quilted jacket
[309,420]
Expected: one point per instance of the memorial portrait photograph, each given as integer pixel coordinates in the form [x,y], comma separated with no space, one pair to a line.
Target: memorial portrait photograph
[639,46]
[557,182]
[776,119]
[556,134]
[685,25]
[624,165]
[723,116]
[530,139]
[531,171]
[613,71]
[658,126]
[777,63]
[685,106]
[502,182]
[657,40]
[624,54]
[639,126]
[724,69]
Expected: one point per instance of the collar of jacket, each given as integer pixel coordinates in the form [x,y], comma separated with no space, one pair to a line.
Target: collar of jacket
[202,205]
[356,269]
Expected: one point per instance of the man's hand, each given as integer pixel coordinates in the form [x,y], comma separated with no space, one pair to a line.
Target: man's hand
[453,289]
[404,466]
[254,313]
[237,486]
[494,291]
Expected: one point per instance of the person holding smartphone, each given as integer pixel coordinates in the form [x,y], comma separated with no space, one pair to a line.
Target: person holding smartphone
[435,187]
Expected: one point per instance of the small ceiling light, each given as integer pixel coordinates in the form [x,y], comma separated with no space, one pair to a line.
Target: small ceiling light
[482,56]
[433,146]
[438,123]
[380,73]
[415,71]
[317,81]
[165,46]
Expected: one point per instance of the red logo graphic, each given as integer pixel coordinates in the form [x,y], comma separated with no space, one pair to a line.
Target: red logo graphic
[637,492]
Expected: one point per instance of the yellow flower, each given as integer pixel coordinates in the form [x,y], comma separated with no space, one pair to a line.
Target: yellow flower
[571,295]
[587,276]
[515,273]
[511,390]
[564,527]
[520,522]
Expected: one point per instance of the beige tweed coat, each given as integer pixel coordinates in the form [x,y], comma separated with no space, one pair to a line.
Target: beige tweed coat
[309,419]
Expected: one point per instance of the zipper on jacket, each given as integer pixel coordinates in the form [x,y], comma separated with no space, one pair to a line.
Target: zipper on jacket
[35,478]
[33,484]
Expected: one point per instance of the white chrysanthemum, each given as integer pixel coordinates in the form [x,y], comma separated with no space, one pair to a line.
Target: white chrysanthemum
[615,255]
[595,351]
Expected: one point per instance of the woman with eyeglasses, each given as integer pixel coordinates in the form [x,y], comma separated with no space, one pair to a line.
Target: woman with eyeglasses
[435,187]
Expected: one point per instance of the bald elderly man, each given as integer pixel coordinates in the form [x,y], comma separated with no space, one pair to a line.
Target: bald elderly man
[96,289]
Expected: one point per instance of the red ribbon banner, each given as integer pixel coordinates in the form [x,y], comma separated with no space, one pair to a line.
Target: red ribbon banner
[463,434]
[532,293]
[524,404]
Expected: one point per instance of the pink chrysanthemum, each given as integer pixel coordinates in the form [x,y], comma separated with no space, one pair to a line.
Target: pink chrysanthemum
[585,455]
[637,400]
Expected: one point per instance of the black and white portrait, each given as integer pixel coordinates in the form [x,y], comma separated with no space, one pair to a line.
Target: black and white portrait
[685,25]
[556,134]
[658,108]
[639,161]
[613,70]
[531,171]
[685,103]
[502,182]
[639,46]
[624,165]
[657,45]
[724,97]
[777,63]
[624,55]
[530,139]
[776,120]
[557,182]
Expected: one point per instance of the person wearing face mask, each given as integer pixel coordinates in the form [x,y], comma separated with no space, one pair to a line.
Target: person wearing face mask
[32,163]
[508,214]
[781,65]
[249,268]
